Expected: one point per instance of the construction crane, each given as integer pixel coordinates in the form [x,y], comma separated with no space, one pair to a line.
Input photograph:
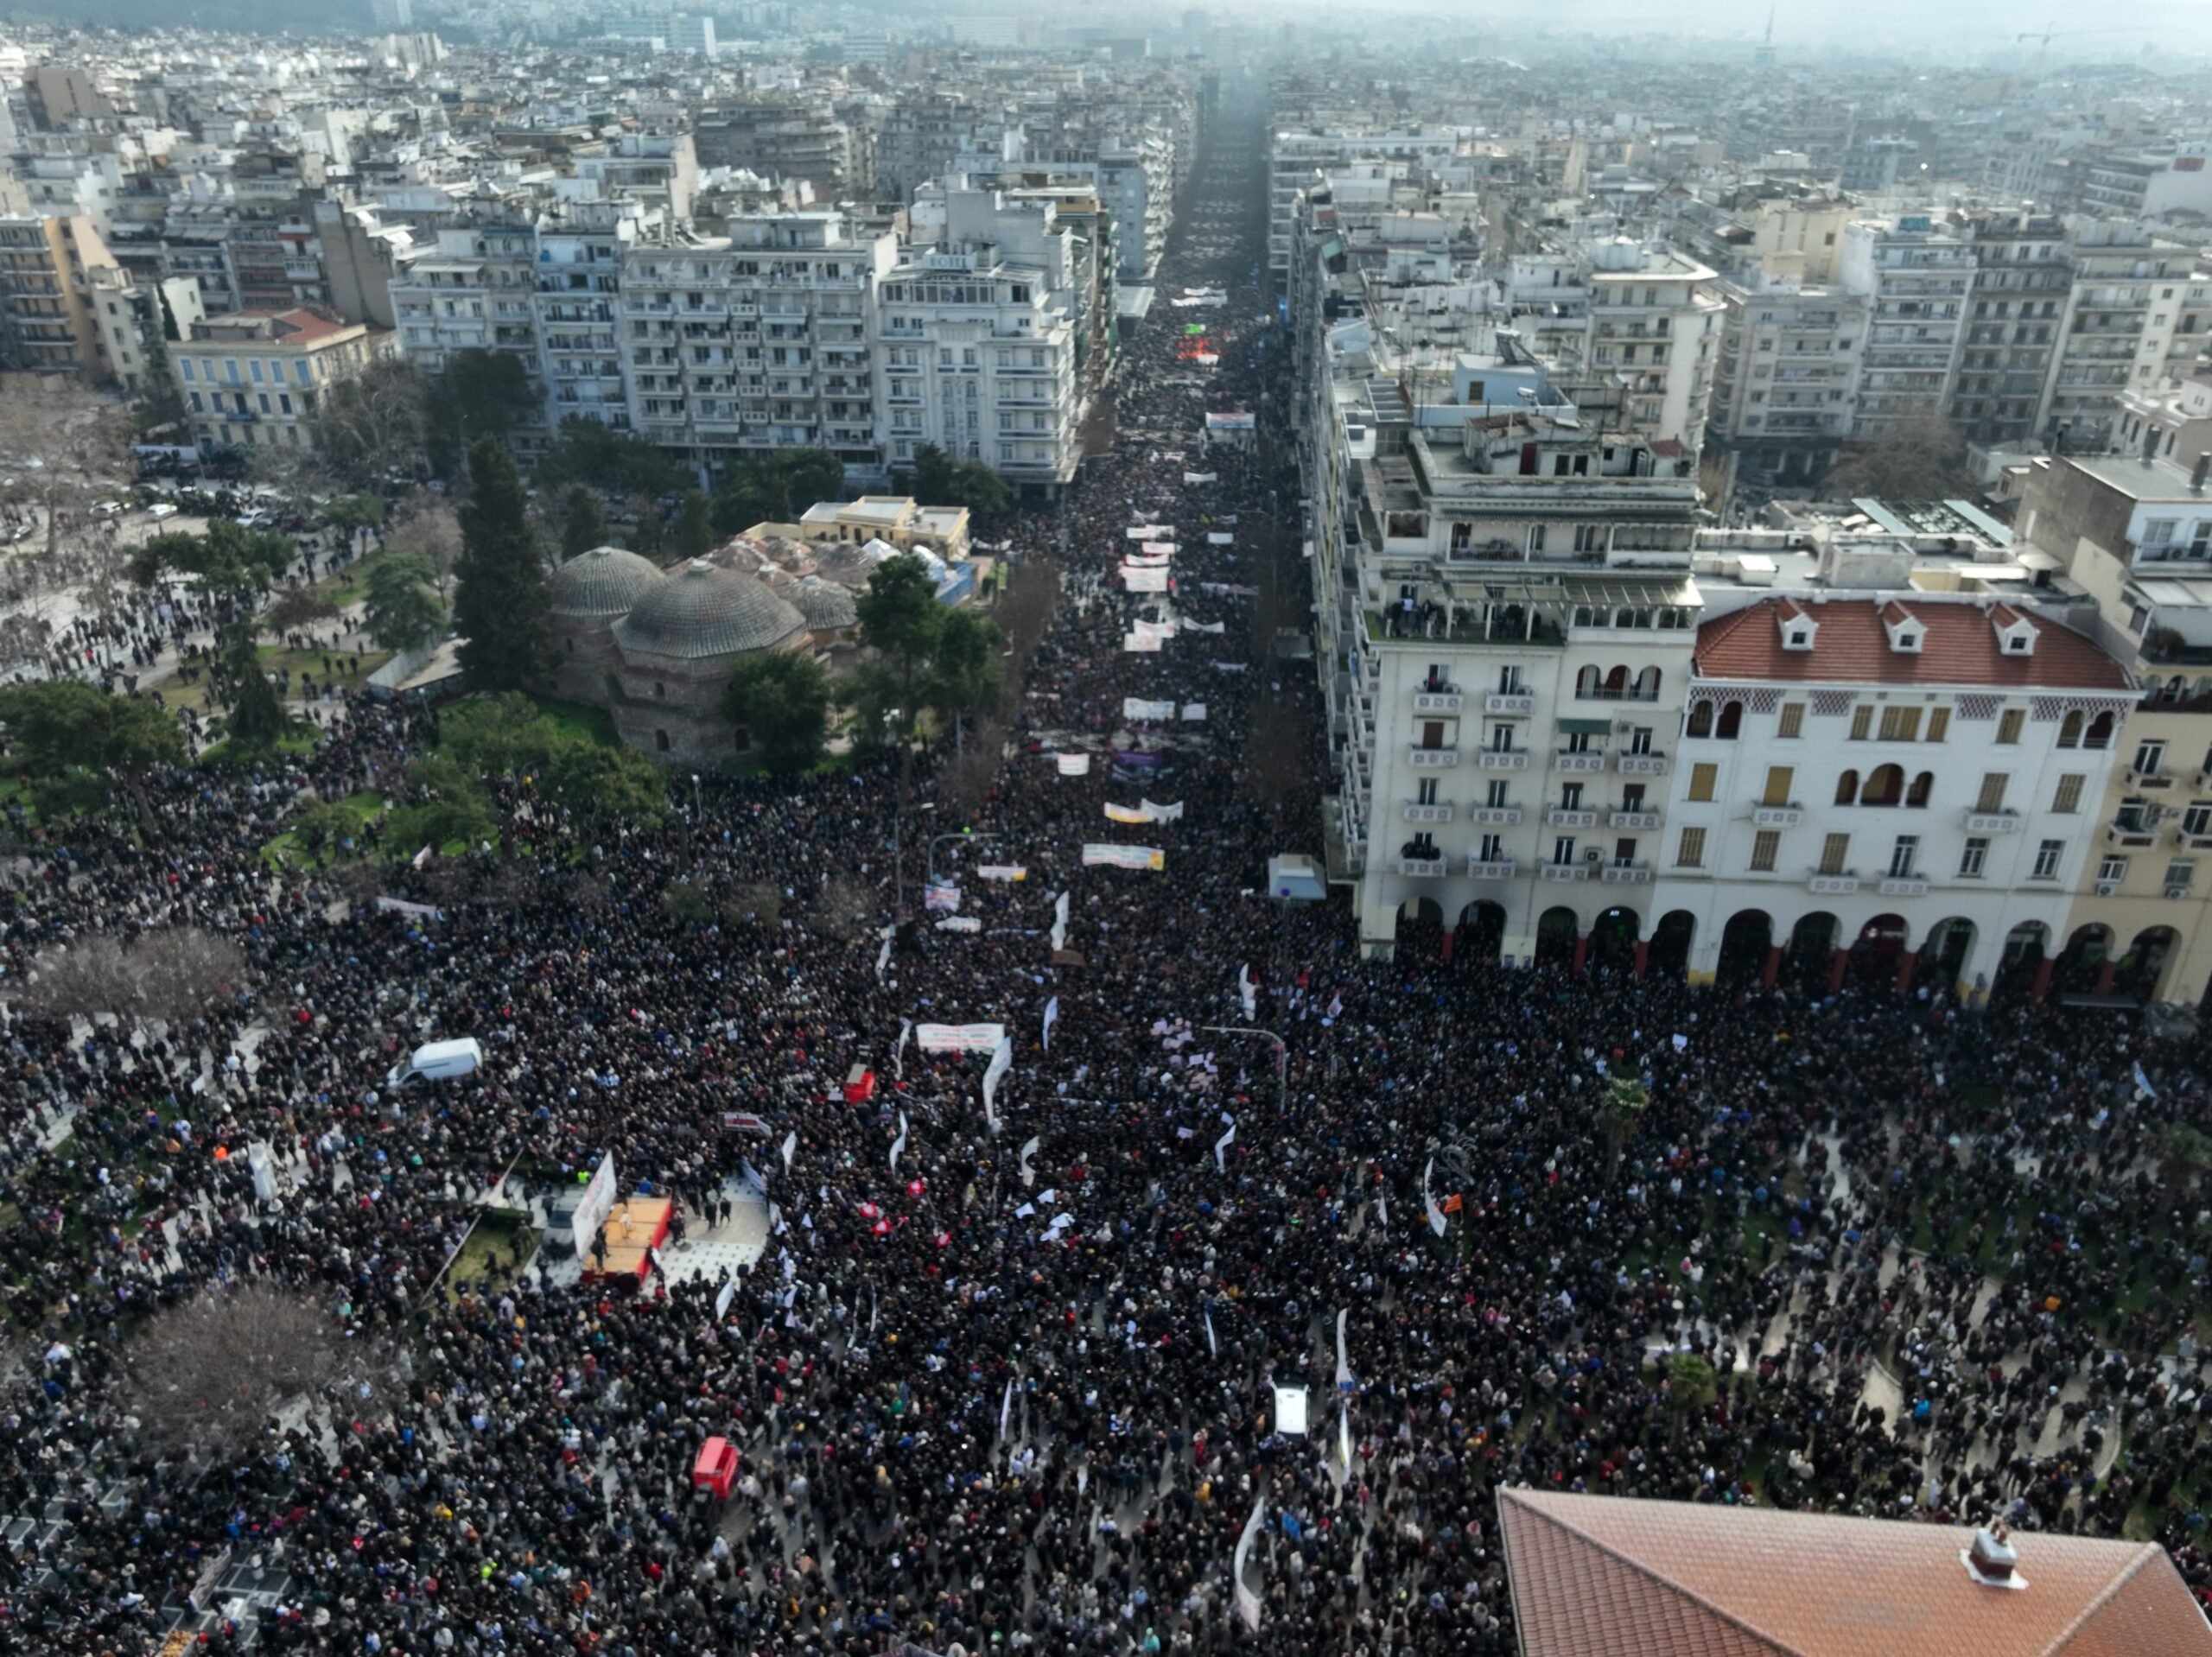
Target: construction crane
[2044,40]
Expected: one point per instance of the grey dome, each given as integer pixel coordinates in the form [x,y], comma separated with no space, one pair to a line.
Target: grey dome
[827,606]
[605,581]
[700,610]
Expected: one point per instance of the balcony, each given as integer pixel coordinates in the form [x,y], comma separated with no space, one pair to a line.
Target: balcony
[1433,758]
[1777,817]
[1501,759]
[1632,820]
[1437,701]
[2130,832]
[1510,704]
[1992,823]
[1423,869]
[1428,813]
[1643,764]
[1559,816]
[1496,817]
[1903,886]
[1494,868]
[1590,762]
[2151,779]
[1832,883]
[1626,875]
[1565,872]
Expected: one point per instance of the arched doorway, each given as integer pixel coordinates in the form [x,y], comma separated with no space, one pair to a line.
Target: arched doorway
[2083,958]
[1556,931]
[1420,929]
[2143,967]
[1613,940]
[1482,932]
[1943,957]
[1744,942]
[1669,955]
[2026,946]
[1874,953]
[1812,941]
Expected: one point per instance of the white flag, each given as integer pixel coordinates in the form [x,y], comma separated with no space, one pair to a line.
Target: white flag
[1248,1603]
[1029,1174]
[1221,1147]
[1060,918]
[899,1053]
[1002,1062]
[790,1148]
[1436,1221]
[2143,1082]
[1006,1408]
[899,1145]
[1213,1347]
[1052,1012]
[1381,1206]
[1247,991]
[1344,1366]
[883,955]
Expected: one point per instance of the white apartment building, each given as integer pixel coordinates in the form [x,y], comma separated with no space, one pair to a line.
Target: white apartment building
[476,292]
[974,344]
[756,340]
[1295,158]
[1652,342]
[1885,786]
[579,289]
[1916,280]
[1786,380]
[2136,314]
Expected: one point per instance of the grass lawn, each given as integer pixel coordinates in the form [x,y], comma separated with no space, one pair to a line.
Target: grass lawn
[349,583]
[286,851]
[506,1232]
[275,658]
[576,720]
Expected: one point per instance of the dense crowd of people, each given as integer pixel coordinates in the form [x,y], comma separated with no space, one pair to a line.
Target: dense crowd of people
[1003,1378]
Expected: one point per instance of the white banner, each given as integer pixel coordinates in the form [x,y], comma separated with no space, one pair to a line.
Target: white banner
[1436,1219]
[1138,708]
[1152,629]
[1226,589]
[1381,1207]
[1127,813]
[1061,922]
[1052,1012]
[1161,549]
[883,955]
[1001,872]
[959,923]
[1002,1062]
[1147,560]
[1073,765]
[1006,1408]
[1150,531]
[899,1053]
[1141,643]
[1202,477]
[1147,812]
[1135,578]
[899,1145]
[1096,855]
[790,1148]
[421,911]
[1344,1364]
[1191,626]
[1029,1174]
[1220,538]
[723,1300]
[944,896]
[1194,713]
[1290,1411]
[959,1037]
[597,1203]
[1213,1347]
[1221,1146]
[1248,1603]
[1248,992]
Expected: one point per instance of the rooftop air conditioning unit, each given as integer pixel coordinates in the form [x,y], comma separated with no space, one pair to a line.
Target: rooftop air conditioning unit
[1593,855]
[2105,888]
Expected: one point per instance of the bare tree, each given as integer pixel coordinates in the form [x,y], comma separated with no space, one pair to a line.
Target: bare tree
[63,449]
[1921,457]
[965,778]
[845,909]
[174,974]
[1025,613]
[211,1374]
[426,528]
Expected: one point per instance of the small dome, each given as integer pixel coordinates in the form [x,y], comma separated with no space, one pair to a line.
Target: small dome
[827,606]
[605,581]
[699,610]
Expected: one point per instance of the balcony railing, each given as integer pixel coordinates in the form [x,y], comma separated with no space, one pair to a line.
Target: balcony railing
[1437,701]
[1565,872]
[1424,868]
[1643,764]
[1494,868]
[2151,779]
[1560,817]
[2130,833]
[1777,817]
[1503,760]
[1497,817]
[1626,875]
[1633,819]
[1832,882]
[1903,886]
[1578,761]
[1992,823]
[1428,813]
[1433,758]
[1509,703]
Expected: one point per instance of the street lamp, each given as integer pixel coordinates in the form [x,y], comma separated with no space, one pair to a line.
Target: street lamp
[695,795]
[937,840]
[1282,1054]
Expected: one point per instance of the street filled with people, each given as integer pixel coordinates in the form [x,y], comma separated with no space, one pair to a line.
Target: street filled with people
[1004,1376]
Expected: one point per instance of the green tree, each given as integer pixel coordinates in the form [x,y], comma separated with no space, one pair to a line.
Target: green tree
[783,700]
[901,621]
[296,609]
[480,394]
[356,513]
[605,786]
[1691,1385]
[940,481]
[54,725]
[2182,1153]
[776,488]
[502,604]
[585,451]
[256,717]
[965,670]
[323,826]
[692,534]
[447,805]
[583,525]
[224,559]
[502,735]
[401,613]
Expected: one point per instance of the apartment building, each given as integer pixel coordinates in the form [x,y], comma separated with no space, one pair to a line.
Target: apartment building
[1786,381]
[579,268]
[1652,342]
[756,340]
[976,344]
[476,292]
[2023,283]
[260,379]
[46,323]
[1916,279]
[1295,158]
[1885,790]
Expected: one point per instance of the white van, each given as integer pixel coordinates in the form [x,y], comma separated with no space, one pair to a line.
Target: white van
[437,1061]
[162,509]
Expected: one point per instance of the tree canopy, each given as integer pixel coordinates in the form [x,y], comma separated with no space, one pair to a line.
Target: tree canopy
[52,725]
[782,699]
[224,559]
[402,614]
[940,481]
[480,394]
[256,717]
[776,488]
[585,451]
[583,524]
[503,603]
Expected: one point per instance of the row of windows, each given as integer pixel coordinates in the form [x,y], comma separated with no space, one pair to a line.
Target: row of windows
[1886,785]
[1905,857]
[302,371]
[1723,722]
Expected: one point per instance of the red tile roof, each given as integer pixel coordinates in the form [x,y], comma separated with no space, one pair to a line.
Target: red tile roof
[1959,646]
[1603,1575]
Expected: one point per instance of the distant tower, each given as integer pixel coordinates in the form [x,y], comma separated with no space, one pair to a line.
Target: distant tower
[1762,54]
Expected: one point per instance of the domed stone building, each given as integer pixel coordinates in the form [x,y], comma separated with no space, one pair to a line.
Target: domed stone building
[591,592]
[674,651]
